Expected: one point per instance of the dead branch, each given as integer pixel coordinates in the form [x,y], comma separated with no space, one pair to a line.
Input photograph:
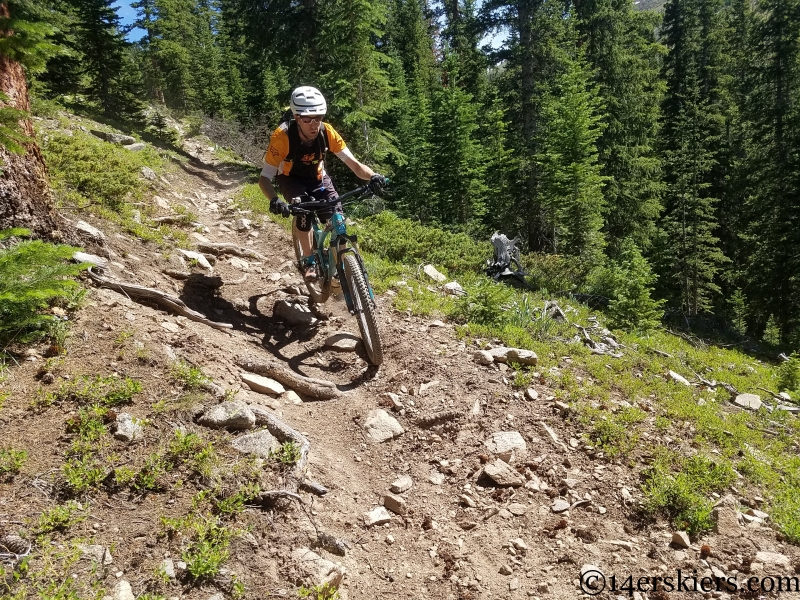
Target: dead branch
[171,220]
[177,274]
[435,419]
[224,248]
[163,299]
[273,494]
[316,388]
[660,352]
[770,392]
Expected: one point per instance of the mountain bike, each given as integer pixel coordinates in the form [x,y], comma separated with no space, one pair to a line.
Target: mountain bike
[339,264]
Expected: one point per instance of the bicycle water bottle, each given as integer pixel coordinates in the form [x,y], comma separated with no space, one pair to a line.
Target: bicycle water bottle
[339,226]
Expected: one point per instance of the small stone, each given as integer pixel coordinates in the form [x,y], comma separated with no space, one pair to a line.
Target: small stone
[168,568]
[148,173]
[91,231]
[592,577]
[517,509]
[291,397]
[229,415]
[396,504]
[127,428]
[390,539]
[519,544]
[681,539]
[201,260]
[483,357]
[499,472]
[262,385]
[726,522]
[316,570]
[259,443]
[122,591]
[507,445]
[531,394]
[401,484]
[242,224]
[513,584]
[773,559]
[343,342]
[381,426]
[748,401]
[467,500]
[377,516]
[560,505]
[436,478]
[505,570]
[454,289]
[83,257]
[431,272]
[136,147]
[678,378]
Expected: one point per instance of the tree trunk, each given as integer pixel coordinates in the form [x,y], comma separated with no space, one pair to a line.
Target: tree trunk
[25,199]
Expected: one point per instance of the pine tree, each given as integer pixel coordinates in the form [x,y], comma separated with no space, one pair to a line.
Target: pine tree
[689,254]
[104,59]
[633,307]
[620,45]
[774,113]
[457,162]
[352,74]
[571,184]
[412,70]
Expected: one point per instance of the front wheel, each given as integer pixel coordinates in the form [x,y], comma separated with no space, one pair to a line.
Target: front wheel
[364,307]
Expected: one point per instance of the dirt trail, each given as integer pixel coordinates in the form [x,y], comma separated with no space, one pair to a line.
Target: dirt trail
[461,537]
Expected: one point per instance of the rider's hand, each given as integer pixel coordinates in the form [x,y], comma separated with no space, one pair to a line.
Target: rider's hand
[278,207]
[377,182]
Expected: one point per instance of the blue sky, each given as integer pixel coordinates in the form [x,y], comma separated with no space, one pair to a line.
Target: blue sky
[127,16]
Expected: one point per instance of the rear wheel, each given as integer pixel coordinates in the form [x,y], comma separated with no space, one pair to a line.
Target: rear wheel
[318,289]
[364,308]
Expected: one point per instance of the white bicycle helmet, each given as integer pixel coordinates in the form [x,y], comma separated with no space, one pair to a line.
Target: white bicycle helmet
[308,102]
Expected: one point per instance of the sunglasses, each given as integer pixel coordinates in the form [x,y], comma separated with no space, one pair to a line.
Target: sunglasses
[309,120]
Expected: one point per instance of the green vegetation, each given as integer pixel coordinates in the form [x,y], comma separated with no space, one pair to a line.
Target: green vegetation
[318,592]
[11,461]
[287,455]
[678,486]
[60,517]
[190,377]
[87,173]
[34,275]
[105,391]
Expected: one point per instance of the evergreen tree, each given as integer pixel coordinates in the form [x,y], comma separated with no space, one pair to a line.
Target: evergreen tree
[457,163]
[620,45]
[352,74]
[633,307]
[104,60]
[689,254]
[774,112]
[412,70]
[571,184]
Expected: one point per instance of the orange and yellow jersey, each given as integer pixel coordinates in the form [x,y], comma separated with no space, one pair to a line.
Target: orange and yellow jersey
[289,156]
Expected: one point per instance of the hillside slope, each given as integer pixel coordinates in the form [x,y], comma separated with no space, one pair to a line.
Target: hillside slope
[176,513]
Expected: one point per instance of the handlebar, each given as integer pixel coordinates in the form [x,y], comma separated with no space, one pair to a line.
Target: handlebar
[314,205]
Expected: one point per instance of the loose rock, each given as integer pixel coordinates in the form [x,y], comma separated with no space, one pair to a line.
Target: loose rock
[681,539]
[748,401]
[507,445]
[229,415]
[396,504]
[401,484]
[262,385]
[499,472]
[377,516]
[318,571]
[127,429]
[259,443]
[344,342]
[381,426]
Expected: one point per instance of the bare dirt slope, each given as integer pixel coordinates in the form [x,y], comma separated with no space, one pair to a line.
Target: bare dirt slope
[461,537]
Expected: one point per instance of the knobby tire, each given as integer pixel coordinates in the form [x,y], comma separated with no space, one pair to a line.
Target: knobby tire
[365,309]
[319,289]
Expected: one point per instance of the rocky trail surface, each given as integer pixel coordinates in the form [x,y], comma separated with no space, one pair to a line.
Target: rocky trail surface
[444,480]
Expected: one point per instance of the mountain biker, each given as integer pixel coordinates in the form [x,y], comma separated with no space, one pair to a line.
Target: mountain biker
[296,155]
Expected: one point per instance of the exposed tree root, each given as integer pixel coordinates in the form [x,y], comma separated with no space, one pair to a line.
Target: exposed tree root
[223,248]
[316,388]
[138,292]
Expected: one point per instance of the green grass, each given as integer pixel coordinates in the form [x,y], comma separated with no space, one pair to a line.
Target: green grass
[287,455]
[60,518]
[191,378]
[105,391]
[87,173]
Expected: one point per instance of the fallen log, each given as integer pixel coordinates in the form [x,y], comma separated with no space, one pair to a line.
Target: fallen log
[316,388]
[224,248]
[138,292]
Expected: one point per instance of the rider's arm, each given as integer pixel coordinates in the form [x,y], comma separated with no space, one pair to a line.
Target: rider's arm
[360,170]
[276,152]
[265,183]
[340,149]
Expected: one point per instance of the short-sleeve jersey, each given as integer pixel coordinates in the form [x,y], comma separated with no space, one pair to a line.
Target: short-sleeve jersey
[288,154]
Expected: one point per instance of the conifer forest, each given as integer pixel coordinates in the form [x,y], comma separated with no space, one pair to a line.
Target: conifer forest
[601,132]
